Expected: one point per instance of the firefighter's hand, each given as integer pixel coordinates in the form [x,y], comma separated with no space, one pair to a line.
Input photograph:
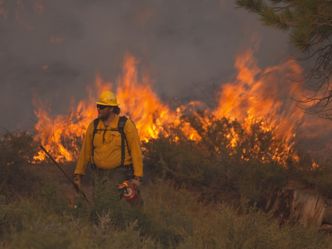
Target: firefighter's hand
[136,181]
[77,180]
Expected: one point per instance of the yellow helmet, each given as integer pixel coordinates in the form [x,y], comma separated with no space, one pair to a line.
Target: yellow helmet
[107,98]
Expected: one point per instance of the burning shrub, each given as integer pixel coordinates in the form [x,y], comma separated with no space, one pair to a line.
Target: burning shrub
[226,138]
[259,99]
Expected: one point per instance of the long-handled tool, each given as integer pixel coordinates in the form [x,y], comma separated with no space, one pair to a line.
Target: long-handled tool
[78,189]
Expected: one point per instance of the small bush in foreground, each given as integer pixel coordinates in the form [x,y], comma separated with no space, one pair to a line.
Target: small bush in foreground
[16,154]
[172,217]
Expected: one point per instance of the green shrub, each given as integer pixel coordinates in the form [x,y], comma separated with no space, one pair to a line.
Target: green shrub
[16,154]
[167,213]
[50,198]
[216,179]
[203,225]
[172,217]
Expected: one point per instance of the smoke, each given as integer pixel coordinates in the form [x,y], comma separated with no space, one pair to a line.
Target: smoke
[53,49]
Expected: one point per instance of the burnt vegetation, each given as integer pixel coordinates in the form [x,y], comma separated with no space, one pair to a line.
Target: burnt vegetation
[196,195]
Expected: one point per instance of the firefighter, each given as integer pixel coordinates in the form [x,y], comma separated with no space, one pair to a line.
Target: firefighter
[112,147]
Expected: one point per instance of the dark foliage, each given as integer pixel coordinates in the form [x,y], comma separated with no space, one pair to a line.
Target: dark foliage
[16,154]
[310,26]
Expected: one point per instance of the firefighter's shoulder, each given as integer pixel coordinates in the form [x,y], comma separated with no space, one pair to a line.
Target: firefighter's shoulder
[92,126]
[130,125]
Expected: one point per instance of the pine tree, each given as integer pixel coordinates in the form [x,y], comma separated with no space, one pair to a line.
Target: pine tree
[309,23]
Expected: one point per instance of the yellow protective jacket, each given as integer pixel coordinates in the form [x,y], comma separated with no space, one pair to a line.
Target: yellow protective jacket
[107,152]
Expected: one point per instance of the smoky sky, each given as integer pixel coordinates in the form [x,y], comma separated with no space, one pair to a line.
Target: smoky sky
[52,50]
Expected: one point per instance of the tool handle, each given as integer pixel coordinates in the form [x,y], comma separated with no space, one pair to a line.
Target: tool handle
[79,190]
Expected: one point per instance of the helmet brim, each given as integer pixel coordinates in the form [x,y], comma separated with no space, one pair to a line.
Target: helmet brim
[101,103]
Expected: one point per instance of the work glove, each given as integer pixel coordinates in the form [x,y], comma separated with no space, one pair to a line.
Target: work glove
[77,181]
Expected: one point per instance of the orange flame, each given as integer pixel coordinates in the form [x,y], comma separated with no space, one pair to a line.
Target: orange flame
[144,107]
[256,98]
[136,99]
